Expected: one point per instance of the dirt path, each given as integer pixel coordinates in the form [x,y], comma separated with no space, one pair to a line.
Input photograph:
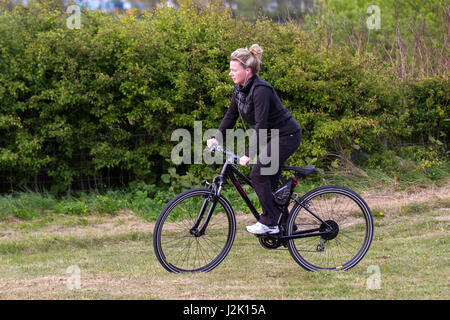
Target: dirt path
[391,202]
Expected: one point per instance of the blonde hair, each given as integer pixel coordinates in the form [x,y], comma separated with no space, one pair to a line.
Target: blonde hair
[249,58]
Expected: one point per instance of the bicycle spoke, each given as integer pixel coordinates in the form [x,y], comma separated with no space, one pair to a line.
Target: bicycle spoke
[179,247]
[346,245]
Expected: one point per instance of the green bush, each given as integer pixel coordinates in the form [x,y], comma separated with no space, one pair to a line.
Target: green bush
[79,102]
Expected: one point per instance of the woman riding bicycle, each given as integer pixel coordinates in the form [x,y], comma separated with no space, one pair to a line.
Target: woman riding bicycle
[256,101]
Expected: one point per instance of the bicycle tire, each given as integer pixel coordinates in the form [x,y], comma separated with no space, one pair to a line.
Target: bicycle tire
[354,221]
[173,249]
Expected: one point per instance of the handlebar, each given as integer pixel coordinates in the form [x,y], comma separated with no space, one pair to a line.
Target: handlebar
[231,156]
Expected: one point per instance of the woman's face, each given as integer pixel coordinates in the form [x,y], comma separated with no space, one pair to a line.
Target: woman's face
[238,73]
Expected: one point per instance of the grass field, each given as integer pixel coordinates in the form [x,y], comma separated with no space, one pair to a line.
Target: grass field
[103,256]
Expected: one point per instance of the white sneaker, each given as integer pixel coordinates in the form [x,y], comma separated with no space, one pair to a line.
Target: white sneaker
[259,228]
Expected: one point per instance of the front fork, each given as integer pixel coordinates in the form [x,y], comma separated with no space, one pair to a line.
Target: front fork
[211,198]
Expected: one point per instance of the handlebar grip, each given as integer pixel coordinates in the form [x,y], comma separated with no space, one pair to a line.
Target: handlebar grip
[216,147]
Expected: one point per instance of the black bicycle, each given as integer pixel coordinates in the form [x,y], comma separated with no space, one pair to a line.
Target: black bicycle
[328,228]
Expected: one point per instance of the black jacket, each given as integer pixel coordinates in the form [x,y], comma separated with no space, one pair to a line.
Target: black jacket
[259,105]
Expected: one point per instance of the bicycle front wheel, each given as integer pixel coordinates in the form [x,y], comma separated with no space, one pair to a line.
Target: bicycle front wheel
[178,248]
[350,220]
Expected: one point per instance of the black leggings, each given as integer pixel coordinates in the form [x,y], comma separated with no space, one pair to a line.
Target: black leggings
[264,184]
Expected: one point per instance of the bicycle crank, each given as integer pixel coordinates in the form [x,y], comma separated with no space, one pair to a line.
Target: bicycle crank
[270,242]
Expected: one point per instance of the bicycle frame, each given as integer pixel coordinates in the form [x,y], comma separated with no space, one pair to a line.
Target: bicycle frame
[228,172]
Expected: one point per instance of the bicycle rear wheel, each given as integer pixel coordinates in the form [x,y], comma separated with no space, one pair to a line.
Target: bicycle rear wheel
[177,248]
[351,222]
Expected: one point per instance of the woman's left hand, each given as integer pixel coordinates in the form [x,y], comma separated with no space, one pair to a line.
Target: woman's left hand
[243,161]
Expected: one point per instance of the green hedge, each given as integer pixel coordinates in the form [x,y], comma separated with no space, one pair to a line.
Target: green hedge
[107,96]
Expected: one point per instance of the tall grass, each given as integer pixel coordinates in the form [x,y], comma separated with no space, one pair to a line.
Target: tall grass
[147,201]
[30,205]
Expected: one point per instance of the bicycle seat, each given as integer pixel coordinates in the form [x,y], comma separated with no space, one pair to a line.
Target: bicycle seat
[301,171]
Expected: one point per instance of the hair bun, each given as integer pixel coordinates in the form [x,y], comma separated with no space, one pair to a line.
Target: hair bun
[256,51]
[248,58]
